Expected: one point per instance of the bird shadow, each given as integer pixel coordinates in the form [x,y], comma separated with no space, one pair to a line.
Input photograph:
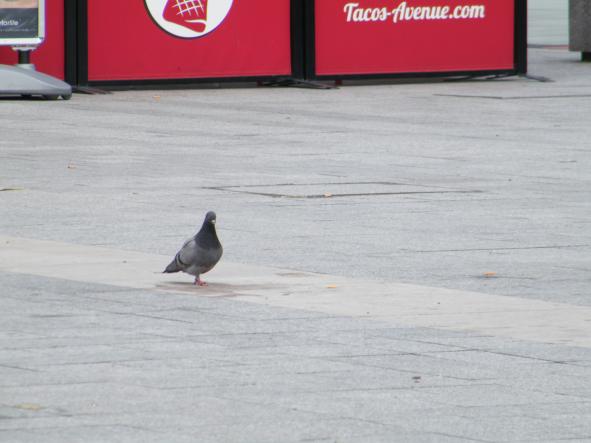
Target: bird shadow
[215,289]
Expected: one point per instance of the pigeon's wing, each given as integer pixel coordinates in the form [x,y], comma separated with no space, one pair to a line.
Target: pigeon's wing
[189,253]
[180,261]
[173,266]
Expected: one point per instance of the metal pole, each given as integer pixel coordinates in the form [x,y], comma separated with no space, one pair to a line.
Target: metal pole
[24,56]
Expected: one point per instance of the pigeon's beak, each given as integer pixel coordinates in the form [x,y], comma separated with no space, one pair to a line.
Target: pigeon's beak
[213,222]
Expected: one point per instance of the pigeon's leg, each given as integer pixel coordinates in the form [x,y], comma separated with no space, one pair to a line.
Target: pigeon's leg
[199,282]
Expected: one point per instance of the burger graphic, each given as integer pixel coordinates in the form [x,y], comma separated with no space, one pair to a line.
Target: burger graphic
[188,18]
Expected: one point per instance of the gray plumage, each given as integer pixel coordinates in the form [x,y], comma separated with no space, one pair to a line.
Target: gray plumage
[200,253]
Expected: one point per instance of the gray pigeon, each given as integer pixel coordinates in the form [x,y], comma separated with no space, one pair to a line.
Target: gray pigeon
[200,253]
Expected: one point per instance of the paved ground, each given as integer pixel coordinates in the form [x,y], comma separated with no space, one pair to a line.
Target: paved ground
[404,262]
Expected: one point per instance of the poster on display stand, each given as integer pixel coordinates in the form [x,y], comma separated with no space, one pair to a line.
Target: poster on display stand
[22,22]
[22,27]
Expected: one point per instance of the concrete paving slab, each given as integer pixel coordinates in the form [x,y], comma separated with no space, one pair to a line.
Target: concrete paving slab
[346,308]
[400,303]
[193,383]
[527,224]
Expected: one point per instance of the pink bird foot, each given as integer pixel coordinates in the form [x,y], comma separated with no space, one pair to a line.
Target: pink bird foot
[199,282]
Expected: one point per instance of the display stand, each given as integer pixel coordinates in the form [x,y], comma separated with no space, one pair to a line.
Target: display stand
[24,81]
[27,32]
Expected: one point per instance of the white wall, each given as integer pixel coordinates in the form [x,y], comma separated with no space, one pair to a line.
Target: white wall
[548,22]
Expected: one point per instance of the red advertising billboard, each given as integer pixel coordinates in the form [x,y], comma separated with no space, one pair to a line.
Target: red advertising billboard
[49,58]
[173,39]
[364,37]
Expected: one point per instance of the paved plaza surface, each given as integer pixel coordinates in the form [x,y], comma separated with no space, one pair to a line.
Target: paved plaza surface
[404,262]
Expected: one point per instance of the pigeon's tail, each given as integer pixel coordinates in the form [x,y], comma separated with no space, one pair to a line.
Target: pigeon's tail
[172,267]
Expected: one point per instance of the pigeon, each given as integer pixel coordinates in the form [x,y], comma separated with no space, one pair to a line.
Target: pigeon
[200,253]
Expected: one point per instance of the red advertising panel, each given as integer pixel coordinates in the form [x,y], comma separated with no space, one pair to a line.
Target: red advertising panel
[168,39]
[49,58]
[354,37]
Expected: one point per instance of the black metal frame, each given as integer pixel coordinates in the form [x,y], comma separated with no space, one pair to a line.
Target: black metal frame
[520,52]
[76,42]
[520,33]
[298,35]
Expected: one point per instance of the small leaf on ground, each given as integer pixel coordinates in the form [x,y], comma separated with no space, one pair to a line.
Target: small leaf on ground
[29,406]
